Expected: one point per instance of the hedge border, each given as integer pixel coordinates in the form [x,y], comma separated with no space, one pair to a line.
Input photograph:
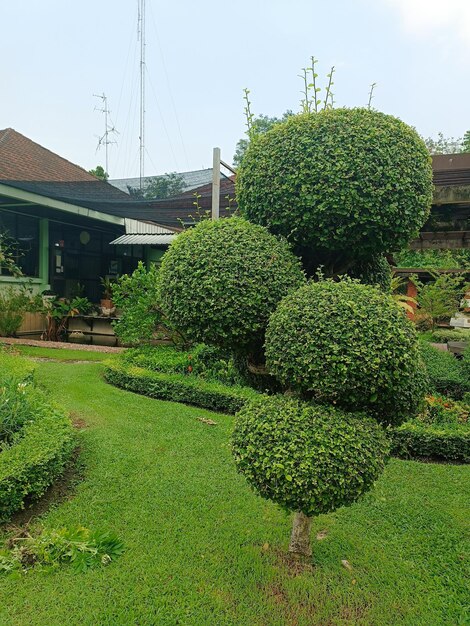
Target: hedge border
[188,389]
[418,441]
[31,465]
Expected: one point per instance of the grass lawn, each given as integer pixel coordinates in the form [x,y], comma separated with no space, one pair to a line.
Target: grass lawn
[202,549]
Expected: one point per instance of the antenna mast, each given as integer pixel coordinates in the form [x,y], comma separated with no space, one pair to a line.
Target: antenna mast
[141,37]
[104,139]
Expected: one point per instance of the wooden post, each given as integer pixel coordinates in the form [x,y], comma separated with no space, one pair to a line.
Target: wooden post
[411,292]
[215,183]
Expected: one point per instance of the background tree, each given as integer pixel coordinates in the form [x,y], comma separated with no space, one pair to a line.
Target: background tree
[159,187]
[99,173]
[259,125]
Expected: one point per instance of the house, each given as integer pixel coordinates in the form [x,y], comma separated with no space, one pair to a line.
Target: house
[63,221]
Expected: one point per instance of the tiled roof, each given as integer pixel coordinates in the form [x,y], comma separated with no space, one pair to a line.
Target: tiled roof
[23,159]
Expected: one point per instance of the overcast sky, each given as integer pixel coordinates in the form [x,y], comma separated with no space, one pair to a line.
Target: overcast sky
[201,54]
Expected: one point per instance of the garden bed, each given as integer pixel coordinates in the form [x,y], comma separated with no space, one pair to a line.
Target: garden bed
[36,437]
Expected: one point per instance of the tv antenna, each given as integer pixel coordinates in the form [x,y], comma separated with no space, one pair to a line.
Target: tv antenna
[141,38]
[104,140]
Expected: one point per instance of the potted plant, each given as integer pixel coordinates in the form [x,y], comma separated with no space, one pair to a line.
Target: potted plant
[106,303]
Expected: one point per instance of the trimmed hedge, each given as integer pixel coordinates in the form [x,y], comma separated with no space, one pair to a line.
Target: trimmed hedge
[178,387]
[30,465]
[445,372]
[417,440]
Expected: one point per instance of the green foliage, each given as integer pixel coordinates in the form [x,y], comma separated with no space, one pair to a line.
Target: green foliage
[58,311]
[79,546]
[221,280]
[178,387]
[446,374]
[164,359]
[207,362]
[443,335]
[14,303]
[348,344]
[259,125]
[443,145]
[448,442]
[35,460]
[16,368]
[442,410]
[307,458]
[351,182]
[374,271]
[440,299]
[99,172]
[465,366]
[136,297]
[433,259]
[16,409]
[159,187]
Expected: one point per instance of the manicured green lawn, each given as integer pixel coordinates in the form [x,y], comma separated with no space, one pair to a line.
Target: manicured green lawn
[202,549]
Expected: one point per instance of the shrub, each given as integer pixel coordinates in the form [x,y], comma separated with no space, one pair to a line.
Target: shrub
[166,359]
[465,367]
[347,344]
[14,303]
[440,299]
[446,375]
[443,335]
[375,271]
[178,387]
[441,410]
[350,181]
[32,463]
[307,458]
[140,316]
[221,280]
[449,442]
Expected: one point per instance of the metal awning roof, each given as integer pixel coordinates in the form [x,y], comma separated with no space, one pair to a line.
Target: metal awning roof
[145,239]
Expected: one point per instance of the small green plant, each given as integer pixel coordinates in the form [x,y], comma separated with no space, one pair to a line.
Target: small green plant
[440,299]
[79,546]
[14,303]
[108,286]
[442,410]
[58,311]
[446,374]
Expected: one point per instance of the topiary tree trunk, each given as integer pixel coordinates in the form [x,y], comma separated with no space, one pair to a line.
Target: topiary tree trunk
[300,537]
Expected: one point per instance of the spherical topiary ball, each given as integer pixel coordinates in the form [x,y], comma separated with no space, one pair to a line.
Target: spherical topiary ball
[350,180]
[305,457]
[374,271]
[348,344]
[221,280]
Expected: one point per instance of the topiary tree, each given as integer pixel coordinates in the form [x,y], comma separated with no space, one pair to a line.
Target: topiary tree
[342,184]
[308,459]
[347,344]
[221,280]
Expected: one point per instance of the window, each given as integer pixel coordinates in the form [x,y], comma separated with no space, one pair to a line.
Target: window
[24,234]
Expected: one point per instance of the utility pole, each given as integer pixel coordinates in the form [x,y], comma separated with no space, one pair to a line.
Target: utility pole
[104,139]
[141,37]
[215,183]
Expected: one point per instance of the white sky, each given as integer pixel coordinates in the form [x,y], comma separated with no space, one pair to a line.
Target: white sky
[200,55]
